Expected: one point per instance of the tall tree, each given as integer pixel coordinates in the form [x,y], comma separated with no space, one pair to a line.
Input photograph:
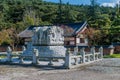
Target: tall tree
[93,13]
[59,13]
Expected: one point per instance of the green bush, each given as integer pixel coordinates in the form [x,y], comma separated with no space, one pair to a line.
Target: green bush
[2,56]
[112,56]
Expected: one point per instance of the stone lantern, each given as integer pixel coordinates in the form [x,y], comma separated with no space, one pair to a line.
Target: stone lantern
[111,49]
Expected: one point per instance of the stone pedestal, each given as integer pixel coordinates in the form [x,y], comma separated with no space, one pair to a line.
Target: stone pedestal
[51,51]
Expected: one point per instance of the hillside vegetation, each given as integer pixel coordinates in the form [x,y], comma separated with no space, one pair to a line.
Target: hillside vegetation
[16,15]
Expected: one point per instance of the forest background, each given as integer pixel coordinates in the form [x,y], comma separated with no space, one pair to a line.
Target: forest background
[17,15]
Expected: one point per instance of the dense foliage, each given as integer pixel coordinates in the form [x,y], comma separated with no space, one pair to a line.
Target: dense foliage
[16,15]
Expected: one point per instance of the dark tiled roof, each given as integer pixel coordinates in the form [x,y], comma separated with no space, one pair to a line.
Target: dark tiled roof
[73,28]
[30,28]
[69,29]
[76,26]
[26,34]
[116,44]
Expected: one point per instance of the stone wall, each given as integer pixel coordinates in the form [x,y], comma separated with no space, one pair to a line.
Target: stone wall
[4,48]
[107,50]
[117,49]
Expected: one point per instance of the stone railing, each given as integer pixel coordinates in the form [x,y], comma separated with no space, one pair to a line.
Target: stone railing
[72,59]
[9,54]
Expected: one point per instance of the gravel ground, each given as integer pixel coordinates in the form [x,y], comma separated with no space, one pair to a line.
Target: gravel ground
[106,69]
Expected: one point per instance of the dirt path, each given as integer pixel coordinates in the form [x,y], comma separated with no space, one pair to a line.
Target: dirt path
[107,69]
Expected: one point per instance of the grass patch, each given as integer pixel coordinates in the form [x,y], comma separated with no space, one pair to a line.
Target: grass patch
[2,56]
[112,56]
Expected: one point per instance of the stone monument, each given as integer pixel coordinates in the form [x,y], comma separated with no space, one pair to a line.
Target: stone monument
[49,41]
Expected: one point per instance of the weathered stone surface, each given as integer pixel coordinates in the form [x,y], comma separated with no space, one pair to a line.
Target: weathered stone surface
[49,35]
[48,40]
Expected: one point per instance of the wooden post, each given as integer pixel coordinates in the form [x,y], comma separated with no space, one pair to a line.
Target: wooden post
[68,59]
[9,54]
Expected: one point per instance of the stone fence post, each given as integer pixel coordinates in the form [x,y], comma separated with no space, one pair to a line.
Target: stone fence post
[93,52]
[9,54]
[23,51]
[35,56]
[75,50]
[68,58]
[101,52]
[82,52]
